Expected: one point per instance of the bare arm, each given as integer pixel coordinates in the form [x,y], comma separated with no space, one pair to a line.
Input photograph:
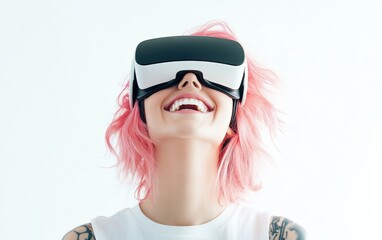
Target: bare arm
[281,228]
[83,232]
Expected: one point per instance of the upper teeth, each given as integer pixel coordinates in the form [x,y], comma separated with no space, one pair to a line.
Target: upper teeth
[188,101]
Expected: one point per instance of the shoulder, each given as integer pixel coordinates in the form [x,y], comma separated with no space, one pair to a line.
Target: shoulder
[281,228]
[81,232]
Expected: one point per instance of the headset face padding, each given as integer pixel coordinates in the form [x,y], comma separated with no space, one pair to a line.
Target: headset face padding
[160,63]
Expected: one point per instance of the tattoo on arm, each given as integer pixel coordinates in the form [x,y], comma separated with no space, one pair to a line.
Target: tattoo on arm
[83,232]
[282,228]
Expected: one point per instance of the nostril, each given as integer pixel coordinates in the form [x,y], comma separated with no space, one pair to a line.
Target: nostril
[195,84]
[184,84]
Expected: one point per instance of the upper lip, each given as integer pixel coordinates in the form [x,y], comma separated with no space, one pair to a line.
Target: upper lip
[189,95]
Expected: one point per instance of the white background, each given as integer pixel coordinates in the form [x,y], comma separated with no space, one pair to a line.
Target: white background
[63,63]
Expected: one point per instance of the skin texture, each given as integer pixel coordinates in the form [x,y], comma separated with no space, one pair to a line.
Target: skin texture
[280,228]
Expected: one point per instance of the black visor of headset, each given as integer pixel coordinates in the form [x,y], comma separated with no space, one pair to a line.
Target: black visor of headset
[161,63]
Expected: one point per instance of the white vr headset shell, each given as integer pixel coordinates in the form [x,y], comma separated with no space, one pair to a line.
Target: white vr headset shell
[232,77]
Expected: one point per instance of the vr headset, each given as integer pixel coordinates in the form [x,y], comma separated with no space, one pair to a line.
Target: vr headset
[161,63]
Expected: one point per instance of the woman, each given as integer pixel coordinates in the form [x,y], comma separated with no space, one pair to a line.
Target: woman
[187,130]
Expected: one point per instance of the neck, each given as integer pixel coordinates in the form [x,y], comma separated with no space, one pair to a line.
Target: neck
[185,193]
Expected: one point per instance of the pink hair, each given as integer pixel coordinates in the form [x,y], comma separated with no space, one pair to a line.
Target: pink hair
[240,157]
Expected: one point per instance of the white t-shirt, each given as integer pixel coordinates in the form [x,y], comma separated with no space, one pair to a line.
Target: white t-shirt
[237,222]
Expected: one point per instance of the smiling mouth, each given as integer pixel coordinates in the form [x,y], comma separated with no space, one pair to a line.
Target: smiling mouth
[189,104]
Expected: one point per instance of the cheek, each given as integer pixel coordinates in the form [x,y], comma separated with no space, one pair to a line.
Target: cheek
[151,115]
[223,116]
[225,109]
[153,105]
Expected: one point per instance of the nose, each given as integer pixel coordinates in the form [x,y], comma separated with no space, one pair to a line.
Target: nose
[190,81]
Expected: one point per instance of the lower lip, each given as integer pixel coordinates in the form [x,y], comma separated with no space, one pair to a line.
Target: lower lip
[188,111]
